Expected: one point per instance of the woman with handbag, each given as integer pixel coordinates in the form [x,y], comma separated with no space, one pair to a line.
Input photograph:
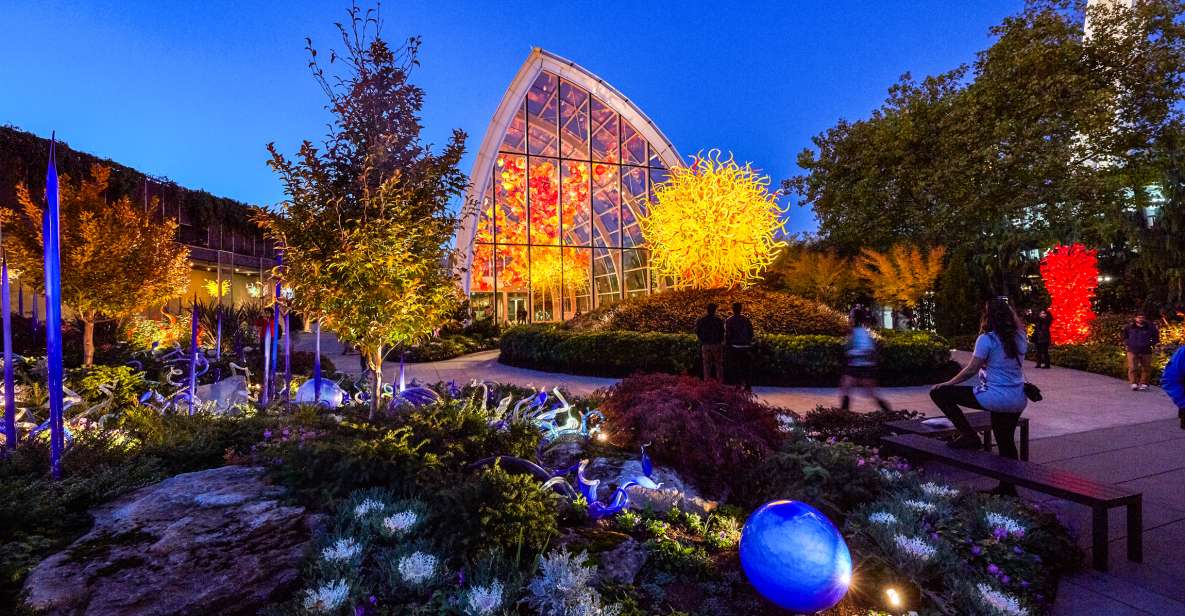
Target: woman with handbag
[997,359]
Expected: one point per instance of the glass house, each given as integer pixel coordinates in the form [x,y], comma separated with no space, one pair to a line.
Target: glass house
[566,169]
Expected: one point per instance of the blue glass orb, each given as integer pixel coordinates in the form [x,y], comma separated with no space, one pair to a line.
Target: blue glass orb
[332,395]
[794,556]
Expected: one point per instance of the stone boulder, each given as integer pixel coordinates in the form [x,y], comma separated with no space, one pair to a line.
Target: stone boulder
[217,541]
[673,491]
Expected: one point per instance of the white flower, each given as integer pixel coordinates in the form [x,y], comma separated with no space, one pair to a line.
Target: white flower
[483,600]
[1010,526]
[918,505]
[417,568]
[935,490]
[327,598]
[367,506]
[786,422]
[1003,603]
[342,549]
[915,547]
[890,475]
[400,522]
[882,517]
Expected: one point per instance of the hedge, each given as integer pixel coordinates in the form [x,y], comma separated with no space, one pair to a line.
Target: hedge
[1105,359]
[907,358]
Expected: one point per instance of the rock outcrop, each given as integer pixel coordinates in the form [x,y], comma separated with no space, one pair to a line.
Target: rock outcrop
[218,541]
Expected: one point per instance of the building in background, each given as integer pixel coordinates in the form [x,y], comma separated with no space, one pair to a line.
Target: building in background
[227,250]
[567,167]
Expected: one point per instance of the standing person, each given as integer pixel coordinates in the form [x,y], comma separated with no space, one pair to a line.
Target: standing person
[709,329]
[738,337]
[1173,382]
[1139,337]
[997,359]
[1042,337]
[860,370]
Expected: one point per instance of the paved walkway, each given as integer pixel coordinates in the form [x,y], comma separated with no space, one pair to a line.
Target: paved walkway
[1089,424]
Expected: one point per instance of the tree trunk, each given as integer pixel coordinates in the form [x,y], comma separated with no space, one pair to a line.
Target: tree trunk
[375,360]
[88,341]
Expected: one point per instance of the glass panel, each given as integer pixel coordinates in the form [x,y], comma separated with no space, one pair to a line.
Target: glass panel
[657,176]
[515,139]
[606,198]
[655,161]
[510,198]
[573,121]
[547,283]
[576,209]
[606,275]
[636,273]
[633,204]
[481,272]
[481,305]
[512,272]
[485,217]
[543,115]
[604,132]
[577,276]
[633,146]
[544,199]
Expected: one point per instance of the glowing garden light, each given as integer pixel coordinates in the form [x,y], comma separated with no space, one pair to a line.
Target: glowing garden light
[893,597]
[714,224]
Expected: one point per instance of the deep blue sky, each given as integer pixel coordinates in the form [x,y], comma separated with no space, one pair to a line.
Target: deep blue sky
[194,90]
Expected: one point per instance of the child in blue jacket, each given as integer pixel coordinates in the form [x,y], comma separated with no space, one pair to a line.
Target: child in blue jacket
[1173,382]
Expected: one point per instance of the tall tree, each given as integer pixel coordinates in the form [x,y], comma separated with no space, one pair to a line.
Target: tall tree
[366,227]
[1050,136]
[902,275]
[116,259]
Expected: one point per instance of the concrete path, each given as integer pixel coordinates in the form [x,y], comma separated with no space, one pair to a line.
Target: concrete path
[1075,401]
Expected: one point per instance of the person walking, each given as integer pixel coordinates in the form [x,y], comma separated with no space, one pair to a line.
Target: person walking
[709,329]
[1042,337]
[860,370]
[998,359]
[1173,382]
[738,338]
[1139,337]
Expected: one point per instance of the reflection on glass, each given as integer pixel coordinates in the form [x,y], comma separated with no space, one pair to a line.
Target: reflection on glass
[604,132]
[544,198]
[633,146]
[636,273]
[542,116]
[607,275]
[576,208]
[633,204]
[516,134]
[573,122]
[577,277]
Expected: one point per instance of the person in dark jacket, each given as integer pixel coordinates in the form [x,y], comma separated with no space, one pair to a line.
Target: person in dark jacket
[738,338]
[710,331]
[1139,337]
[1042,337]
[1173,382]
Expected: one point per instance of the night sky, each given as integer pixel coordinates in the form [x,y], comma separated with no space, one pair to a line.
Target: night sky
[195,90]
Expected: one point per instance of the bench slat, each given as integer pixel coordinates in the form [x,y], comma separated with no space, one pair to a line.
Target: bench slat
[1057,482]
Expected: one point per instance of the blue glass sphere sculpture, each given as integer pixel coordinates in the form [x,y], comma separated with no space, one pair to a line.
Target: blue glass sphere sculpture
[794,556]
[332,395]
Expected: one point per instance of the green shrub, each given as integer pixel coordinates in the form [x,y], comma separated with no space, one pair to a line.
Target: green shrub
[673,312]
[1106,359]
[491,512]
[907,358]
[126,384]
[860,428]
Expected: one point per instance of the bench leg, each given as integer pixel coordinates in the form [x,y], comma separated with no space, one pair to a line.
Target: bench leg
[987,439]
[1135,531]
[1098,534]
[1024,441]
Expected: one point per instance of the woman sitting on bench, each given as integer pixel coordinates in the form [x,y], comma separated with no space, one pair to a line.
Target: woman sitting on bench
[998,356]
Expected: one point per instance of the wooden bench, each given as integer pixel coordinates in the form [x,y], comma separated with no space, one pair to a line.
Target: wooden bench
[1100,497]
[980,420]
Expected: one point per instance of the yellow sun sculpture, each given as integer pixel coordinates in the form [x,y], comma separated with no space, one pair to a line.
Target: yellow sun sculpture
[714,224]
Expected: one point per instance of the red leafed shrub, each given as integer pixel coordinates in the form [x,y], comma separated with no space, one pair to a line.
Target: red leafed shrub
[705,431]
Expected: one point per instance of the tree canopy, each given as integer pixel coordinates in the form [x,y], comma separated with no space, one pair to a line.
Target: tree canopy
[1049,136]
[116,258]
[365,229]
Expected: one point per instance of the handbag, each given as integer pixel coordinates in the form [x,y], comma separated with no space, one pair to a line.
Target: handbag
[1032,392]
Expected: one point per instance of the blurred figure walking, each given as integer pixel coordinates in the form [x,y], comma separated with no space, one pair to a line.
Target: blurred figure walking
[860,370]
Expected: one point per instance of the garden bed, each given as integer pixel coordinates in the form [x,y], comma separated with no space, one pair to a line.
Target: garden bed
[906,358]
